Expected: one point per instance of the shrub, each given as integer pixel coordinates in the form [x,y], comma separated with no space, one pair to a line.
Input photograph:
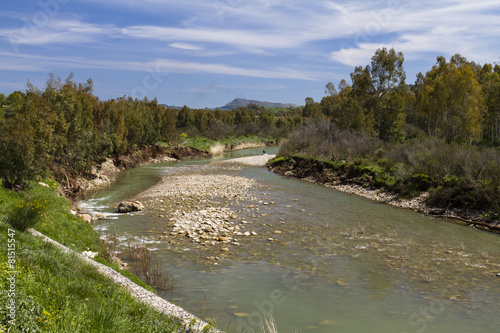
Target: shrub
[26,214]
[455,175]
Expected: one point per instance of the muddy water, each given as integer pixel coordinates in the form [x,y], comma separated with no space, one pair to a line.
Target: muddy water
[337,262]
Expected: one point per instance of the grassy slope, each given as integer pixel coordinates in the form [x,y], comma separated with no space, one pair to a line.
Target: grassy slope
[56,292]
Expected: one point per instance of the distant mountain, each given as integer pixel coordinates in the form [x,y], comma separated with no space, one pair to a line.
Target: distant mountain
[172,106]
[239,102]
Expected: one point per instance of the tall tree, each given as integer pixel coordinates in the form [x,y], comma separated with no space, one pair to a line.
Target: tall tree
[312,109]
[490,80]
[388,77]
[450,101]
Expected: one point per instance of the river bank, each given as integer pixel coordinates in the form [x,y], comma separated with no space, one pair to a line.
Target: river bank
[321,173]
[218,147]
[333,258]
[101,176]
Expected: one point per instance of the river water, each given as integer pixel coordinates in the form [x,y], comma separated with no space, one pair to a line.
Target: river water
[338,262]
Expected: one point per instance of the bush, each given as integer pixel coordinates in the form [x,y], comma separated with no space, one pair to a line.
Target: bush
[26,214]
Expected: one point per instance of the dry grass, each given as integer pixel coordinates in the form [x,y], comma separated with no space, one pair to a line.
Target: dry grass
[249,145]
[269,325]
[150,268]
[217,149]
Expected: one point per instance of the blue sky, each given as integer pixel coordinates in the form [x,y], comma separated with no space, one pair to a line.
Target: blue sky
[205,53]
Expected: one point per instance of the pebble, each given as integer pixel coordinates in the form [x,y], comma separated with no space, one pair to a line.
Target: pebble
[328,323]
[192,219]
[277,232]
[241,315]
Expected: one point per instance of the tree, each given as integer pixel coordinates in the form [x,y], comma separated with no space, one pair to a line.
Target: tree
[330,89]
[388,77]
[387,70]
[450,101]
[201,118]
[3,100]
[312,109]
[185,118]
[490,81]
[393,119]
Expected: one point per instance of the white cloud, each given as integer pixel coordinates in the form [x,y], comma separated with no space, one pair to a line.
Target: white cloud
[167,65]
[57,32]
[185,46]
[466,27]
[40,63]
[243,38]
[316,34]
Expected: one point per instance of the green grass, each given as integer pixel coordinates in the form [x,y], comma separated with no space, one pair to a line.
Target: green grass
[58,292]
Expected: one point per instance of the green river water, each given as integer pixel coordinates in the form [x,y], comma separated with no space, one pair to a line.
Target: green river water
[340,264]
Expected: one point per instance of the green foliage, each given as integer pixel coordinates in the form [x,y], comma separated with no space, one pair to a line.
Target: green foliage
[27,313]
[56,292]
[229,141]
[450,101]
[455,175]
[65,131]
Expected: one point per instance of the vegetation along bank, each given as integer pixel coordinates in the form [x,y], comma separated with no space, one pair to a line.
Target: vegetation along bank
[431,146]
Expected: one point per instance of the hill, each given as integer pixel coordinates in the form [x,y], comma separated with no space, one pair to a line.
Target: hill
[239,102]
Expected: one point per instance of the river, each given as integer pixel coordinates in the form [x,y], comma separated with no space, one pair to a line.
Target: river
[338,262]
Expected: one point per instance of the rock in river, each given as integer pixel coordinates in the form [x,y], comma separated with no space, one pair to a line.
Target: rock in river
[128,206]
[98,216]
[86,217]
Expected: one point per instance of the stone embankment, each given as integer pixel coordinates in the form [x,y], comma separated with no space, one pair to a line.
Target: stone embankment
[135,290]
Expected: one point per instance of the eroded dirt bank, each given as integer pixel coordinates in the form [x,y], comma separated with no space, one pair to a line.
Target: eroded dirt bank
[76,188]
